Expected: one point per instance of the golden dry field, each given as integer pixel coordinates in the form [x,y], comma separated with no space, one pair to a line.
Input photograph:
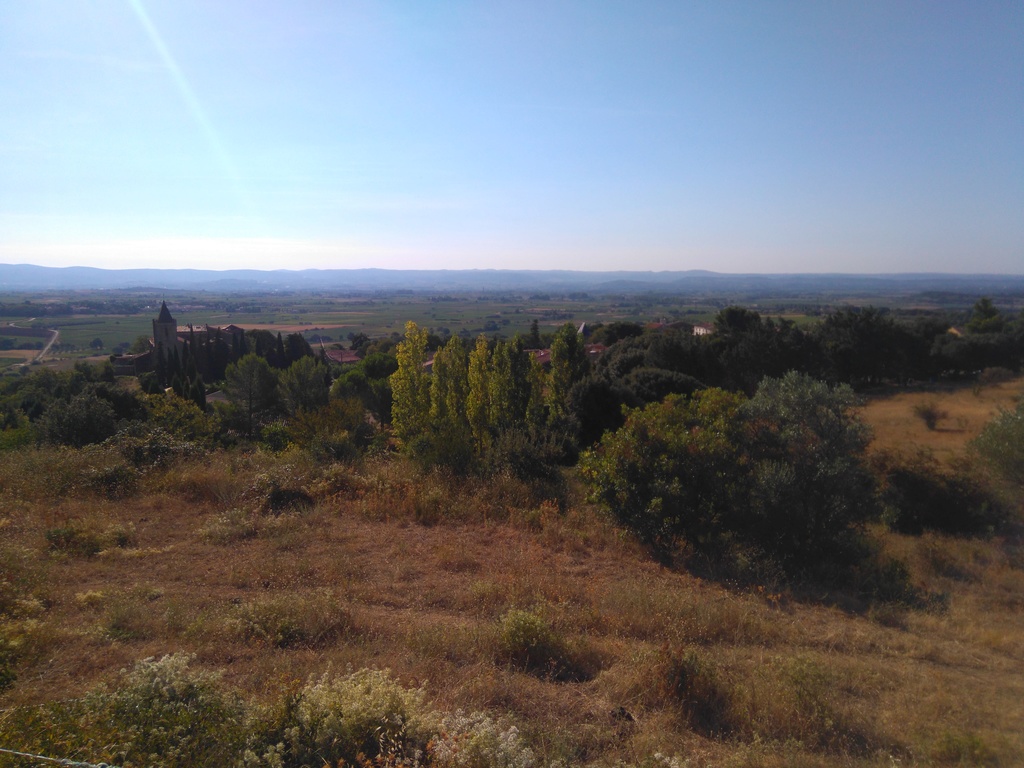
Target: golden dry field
[374,565]
[966,410]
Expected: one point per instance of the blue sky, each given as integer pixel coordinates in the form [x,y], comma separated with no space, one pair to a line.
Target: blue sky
[758,136]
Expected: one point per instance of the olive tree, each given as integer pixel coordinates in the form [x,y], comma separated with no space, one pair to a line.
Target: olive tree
[783,473]
[810,483]
[673,469]
[81,420]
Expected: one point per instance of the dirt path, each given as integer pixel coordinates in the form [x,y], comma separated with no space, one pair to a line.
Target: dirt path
[54,335]
[53,338]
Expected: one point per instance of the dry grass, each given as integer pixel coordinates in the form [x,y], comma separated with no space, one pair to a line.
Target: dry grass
[966,410]
[385,569]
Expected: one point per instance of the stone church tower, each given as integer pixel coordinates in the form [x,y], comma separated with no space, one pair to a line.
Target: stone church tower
[165,334]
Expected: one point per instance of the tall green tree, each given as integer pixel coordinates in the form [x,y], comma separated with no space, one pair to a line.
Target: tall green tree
[860,347]
[507,405]
[410,386]
[251,387]
[811,485]
[370,381]
[305,385]
[478,394]
[449,385]
[449,440]
[985,318]
[533,340]
[569,365]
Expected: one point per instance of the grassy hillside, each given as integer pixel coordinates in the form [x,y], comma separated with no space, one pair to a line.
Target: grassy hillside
[518,600]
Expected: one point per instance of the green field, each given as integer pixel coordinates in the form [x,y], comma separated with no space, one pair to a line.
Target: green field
[118,318]
[85,318]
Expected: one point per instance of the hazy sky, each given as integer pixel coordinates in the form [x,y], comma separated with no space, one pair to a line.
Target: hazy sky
[760,136]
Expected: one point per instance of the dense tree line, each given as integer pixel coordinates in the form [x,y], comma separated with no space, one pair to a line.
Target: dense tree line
[486,405]
[485,396]
[86,405]
[862,348]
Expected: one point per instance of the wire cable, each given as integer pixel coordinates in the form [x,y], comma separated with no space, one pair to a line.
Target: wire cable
[58,760]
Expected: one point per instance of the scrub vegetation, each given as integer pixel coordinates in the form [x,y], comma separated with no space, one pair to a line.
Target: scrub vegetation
[742,549]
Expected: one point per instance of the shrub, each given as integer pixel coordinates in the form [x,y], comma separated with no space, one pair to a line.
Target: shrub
[814,695]
[477,741]
[783,472]
[48,729]
[13,438]
[229,527]
[995,375]
[18,579]
[71,540]
[962,749]
[1001,445]
[524,456]
[275,492]
[672,469]
[144,446]
[811,487]
[688,678]
[930,414]
[113,481]
[84,419]
[338,720]
[203,483]
[884,579]
[527,641]
[918,494]
[84,540]
[796,700]
[290,622]
[128,617]
[288,499]
[8,658]
[166,714]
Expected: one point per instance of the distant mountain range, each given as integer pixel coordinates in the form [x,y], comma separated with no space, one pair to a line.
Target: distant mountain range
[24,277]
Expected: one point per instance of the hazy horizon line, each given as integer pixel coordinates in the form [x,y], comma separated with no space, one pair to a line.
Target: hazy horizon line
[269,270]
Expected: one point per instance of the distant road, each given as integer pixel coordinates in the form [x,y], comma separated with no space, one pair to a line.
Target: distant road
[53,338]
[54,335]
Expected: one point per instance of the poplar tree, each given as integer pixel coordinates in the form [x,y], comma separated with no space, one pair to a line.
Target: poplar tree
[451,440]
[449,385]
[501,408]
[568,365]
[410,385]
[535,414]
[511,386]
[478,395]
